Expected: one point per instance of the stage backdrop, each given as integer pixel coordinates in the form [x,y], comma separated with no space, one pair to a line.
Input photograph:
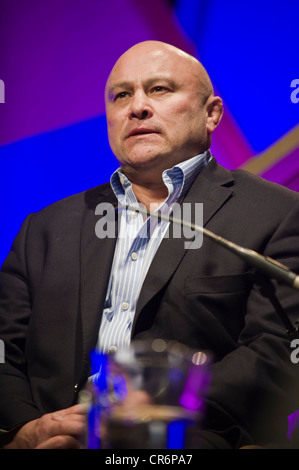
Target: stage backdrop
[55,57]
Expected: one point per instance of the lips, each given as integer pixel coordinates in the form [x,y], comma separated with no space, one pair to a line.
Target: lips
[142,131]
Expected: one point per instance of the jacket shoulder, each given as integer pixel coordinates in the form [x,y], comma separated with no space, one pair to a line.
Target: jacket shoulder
[76,203]
[258,187]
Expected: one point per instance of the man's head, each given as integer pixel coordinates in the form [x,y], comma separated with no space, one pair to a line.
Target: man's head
[160,107]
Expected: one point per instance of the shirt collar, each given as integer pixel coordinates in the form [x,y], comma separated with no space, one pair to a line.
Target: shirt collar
[177,179]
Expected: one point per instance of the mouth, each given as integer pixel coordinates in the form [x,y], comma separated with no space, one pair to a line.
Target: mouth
[142,131]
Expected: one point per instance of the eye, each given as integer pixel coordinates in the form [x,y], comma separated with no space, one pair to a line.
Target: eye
[159,88]
[121,94]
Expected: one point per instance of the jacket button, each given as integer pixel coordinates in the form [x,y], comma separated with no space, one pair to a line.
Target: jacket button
[76,386]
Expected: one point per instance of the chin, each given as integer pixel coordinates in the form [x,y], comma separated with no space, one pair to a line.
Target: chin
[143,160]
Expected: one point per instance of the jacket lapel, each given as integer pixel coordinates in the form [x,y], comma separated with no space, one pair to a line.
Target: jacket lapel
[96,260]
[212,187]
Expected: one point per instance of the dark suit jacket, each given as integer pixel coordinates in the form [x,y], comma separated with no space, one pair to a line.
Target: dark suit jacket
[54,281]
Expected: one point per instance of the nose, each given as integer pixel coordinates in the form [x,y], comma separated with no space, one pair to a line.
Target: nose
[140,107]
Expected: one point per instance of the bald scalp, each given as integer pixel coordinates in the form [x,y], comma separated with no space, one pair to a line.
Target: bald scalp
[205,87]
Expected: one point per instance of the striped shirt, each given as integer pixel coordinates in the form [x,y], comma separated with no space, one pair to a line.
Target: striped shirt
[136,246]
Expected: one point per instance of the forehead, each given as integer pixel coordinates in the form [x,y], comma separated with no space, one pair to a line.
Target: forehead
[142,64]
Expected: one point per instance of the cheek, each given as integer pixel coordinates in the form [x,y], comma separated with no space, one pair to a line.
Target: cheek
[113,118]
[112,138]
[113,129]
[184,123]
[184,115]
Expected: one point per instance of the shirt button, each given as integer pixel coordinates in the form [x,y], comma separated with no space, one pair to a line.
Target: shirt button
[124,305]
[112,349]
[134,214]
[134,256]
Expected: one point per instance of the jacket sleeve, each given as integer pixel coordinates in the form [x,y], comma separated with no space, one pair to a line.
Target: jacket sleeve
[16,402]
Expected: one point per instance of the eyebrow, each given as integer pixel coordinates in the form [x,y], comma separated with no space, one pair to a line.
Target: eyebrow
[117,85]
[148,82]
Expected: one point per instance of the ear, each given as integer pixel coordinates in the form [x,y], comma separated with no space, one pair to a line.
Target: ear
[214,108]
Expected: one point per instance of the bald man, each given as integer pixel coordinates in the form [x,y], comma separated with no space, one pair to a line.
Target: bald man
[66,288]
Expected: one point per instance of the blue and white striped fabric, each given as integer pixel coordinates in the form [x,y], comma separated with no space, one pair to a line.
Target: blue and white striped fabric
[138,241]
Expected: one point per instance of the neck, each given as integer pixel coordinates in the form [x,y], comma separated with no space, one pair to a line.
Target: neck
[148,187]
[149,195]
